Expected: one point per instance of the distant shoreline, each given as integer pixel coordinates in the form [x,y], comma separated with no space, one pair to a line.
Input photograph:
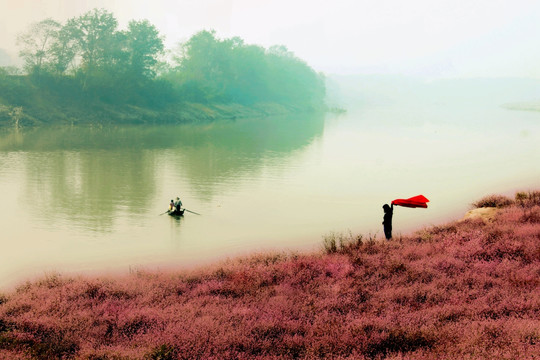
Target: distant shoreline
[183,113]
[523,106]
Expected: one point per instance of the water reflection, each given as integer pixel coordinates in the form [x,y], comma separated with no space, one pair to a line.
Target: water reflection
[88,187]
[91,177]
[222,154]
[280,134]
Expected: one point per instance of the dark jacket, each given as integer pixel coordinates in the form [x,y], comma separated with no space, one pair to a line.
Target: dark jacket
[387,219]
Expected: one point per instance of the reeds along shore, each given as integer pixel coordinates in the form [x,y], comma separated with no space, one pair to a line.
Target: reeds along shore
[464,290]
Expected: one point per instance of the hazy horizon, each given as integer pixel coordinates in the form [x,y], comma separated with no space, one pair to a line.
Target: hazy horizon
[421,38]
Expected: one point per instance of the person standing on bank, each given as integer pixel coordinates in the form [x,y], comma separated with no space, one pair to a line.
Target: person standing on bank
[418,201]
[387,220]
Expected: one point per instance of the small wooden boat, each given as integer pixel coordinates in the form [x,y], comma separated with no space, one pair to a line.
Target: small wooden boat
[176,212]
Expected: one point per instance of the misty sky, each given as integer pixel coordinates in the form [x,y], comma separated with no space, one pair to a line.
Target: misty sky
[464,38]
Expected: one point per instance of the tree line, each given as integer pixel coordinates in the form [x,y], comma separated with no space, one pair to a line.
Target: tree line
[88,56]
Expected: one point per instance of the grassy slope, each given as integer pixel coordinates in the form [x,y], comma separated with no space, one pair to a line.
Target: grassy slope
[465,290]
[56,113]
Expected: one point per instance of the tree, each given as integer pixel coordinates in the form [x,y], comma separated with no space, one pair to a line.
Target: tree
[200,66]
[248,74]
[293,81]
[143,46]
[36,44]
[95,34]
[64,49]
[120,66]
[228,70]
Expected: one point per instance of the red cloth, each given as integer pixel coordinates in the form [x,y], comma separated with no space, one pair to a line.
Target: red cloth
[414,202]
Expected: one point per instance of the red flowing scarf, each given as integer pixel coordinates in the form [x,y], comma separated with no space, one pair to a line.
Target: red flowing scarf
[414,202]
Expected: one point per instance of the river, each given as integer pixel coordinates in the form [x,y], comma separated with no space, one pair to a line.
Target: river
[87,200]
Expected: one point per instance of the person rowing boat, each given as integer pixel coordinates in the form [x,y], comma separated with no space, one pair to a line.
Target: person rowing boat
[175,207]
[178,204]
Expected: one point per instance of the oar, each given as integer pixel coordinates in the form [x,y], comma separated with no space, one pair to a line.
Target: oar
[193,212]
[164,213]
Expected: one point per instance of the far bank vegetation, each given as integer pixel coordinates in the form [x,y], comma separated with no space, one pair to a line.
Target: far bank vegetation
[89,70]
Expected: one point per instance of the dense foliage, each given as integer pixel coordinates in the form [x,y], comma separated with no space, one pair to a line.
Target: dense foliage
[231,71]
[89,61]
[465,290]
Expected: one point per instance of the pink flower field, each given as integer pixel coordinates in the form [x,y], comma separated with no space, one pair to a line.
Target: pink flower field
[464,290]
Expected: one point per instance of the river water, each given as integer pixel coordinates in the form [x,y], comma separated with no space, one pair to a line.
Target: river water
[85,200]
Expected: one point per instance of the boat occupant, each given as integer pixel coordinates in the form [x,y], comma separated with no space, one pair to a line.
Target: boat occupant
[178,204]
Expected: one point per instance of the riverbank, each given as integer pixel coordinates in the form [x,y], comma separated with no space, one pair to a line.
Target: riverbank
[106,114]
[30,101]
[467,289]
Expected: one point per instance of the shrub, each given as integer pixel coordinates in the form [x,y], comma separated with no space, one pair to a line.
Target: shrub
[3,326]
[531,216]
[528,199]
[497,201]
[162,352]
[330,243]
[339,242]
[399,340]
[53,345]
